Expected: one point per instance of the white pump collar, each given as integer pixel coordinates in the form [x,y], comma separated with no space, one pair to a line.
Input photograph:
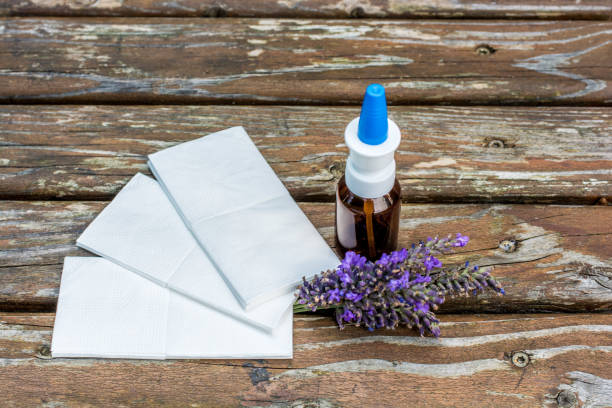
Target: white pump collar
[370,169]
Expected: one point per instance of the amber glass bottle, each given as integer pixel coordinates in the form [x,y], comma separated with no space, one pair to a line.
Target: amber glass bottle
[367,226]
[368,195]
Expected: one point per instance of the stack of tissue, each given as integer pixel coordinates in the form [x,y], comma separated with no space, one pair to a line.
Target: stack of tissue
[199,264]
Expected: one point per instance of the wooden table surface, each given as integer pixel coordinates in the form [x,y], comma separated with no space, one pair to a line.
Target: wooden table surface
[506,117]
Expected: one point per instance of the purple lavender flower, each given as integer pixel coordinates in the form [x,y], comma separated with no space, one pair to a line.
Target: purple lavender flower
[421,308]
[333,295]
[396,284]
[403,287]
[421,279]
[461,240]
[384,260]
[348,316]
[344,276]
[351,259]
[399,256]
[353,297]
[431,262]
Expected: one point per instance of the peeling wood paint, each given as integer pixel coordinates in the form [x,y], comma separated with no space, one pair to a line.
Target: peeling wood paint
[18,334]
[444,161]
[426,61]
[540,159]
[562,260]
[550,63]
[463,369]
[507,394]
[584,9]
[103,4]
[467,368]
[458,341]
[340,379]
[593,391]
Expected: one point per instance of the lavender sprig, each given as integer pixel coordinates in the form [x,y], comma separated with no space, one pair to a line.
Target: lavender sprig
[403,287]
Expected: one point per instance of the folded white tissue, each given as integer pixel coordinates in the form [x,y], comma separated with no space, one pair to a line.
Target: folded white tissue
[106,311]
[242,215]
[141,231]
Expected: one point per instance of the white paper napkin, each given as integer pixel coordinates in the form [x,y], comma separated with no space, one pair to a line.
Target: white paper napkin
[141,231]
[242,215]
[105,311]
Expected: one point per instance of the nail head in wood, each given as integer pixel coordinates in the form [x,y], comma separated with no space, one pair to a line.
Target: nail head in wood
[497,144]
[357,12]
[216,11]
[485,49]
[520,359]
[508,245]
[44,352]
[566,399]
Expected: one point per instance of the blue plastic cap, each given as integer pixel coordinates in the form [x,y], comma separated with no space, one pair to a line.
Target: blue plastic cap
[373,126]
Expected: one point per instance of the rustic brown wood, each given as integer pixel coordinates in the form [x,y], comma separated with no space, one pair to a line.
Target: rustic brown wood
[549,258]
[568,356]
[448,154]
[559,9]
[157,60]
[561,259]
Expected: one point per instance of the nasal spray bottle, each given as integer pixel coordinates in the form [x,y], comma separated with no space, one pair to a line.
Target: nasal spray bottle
[368,199]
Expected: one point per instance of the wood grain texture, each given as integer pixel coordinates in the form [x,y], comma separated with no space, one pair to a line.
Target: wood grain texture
[155,60]
[562,260]
[538,9]
[567,356]
[447,154]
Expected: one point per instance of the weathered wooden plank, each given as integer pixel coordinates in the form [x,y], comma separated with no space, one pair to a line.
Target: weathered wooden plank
[560,9]
[561,258]
[157,60]
[566,357]
[448,154]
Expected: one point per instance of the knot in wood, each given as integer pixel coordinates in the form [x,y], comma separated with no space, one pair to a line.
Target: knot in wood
[497,144]
[44,352]
[357,12]
[520,359]
[566,399]
[508,245]
[485,49]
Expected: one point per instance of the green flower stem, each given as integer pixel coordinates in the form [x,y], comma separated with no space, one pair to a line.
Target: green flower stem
[298,308]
